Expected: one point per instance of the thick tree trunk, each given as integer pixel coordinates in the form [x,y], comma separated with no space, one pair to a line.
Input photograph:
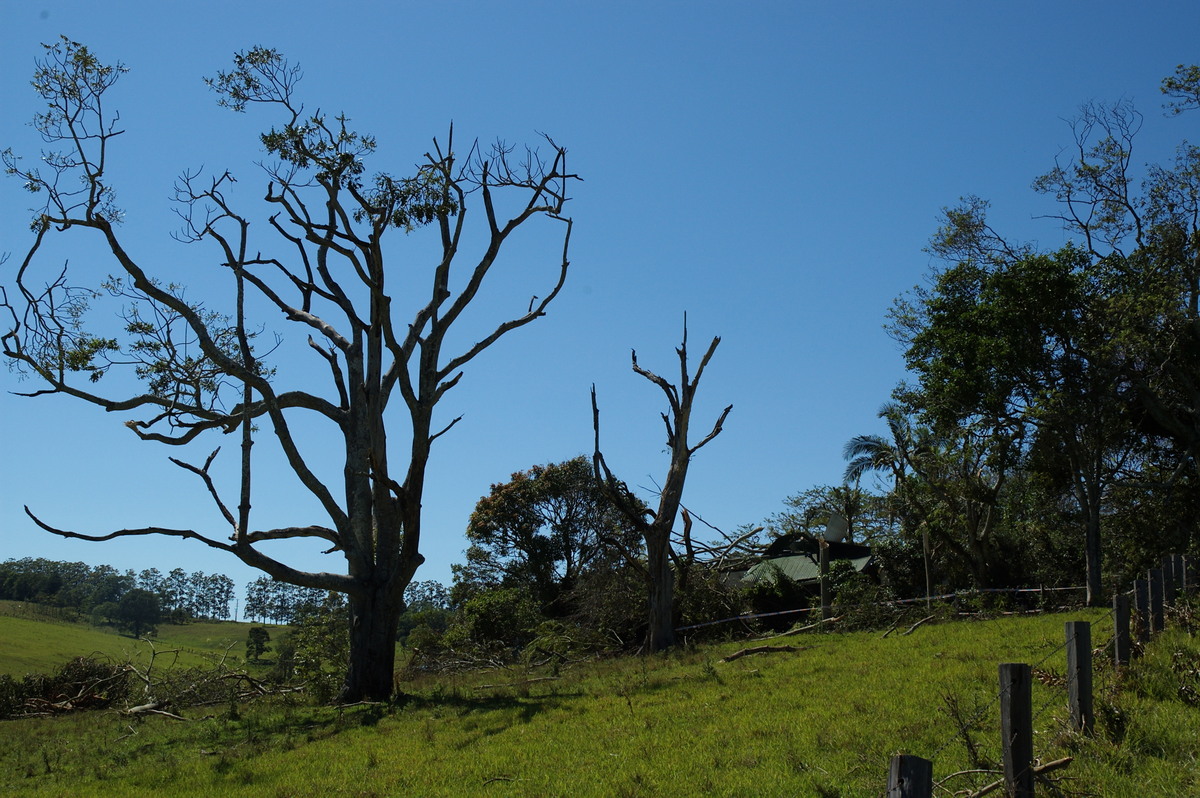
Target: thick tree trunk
[661,606]
[371,672]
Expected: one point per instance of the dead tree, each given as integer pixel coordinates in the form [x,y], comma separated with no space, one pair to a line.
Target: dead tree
[655,526]
[321,263]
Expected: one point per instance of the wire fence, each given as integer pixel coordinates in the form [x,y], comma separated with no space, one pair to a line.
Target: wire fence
[957,595]
[1062,691]
[1074,692]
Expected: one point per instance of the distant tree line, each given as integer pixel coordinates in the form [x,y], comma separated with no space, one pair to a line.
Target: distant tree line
[268,599]
[185,596]
[97,590]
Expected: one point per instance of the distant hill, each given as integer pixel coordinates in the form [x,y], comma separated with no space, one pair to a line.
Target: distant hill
[39,639]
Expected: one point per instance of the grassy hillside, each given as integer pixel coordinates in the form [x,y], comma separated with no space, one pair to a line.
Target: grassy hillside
[822,720]
[38,639]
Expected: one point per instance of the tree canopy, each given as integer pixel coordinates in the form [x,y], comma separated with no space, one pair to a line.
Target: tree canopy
[1068,375]
[542,530]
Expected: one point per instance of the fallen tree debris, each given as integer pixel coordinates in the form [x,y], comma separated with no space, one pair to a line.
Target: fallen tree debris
[745,652]
[913,628]
[1038,771]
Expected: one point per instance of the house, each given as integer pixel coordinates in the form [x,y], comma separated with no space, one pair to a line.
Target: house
[797,556]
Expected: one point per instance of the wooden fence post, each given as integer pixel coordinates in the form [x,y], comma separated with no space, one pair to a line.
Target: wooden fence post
[1185,568]
[1079,676]
[910,777]
[1141,603]
[1016,728]
[1169,585]
[1156,600]
[1121,630]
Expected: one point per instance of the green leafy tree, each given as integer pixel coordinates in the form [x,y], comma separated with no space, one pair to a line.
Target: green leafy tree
[508,616]
[1089,353]
[321,260]
[542,529]
[427,615]
[867,515]
[948,487]
[258,641]
[1023,347]
[138,611]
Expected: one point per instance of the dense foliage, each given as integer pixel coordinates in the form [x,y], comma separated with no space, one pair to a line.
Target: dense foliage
[1050,431]
[541,532]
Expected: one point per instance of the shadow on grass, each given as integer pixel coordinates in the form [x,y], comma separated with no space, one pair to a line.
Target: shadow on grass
[526,706]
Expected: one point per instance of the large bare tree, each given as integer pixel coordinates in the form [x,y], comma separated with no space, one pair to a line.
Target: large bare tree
[318,262]
[656,526]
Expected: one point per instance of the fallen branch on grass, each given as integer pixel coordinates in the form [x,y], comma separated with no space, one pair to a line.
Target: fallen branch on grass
[801,629]
[521,683]
[745,652]
[913,628]
[1038,770]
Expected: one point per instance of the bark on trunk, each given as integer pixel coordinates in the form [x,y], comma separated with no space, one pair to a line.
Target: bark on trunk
[661,633]
[1089,496]
[371,672]
[1091,548]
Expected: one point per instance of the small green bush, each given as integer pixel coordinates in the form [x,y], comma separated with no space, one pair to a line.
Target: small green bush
[505,616]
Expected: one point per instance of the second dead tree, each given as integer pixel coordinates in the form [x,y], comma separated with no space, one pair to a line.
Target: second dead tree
[655,526]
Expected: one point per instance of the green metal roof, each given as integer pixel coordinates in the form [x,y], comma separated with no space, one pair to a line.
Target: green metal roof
[798,568]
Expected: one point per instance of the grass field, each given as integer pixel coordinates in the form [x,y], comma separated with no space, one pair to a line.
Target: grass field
[822,720]
[37,640]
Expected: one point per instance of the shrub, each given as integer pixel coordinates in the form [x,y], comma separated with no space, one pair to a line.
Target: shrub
[505,617]
[863,604]
[317,651]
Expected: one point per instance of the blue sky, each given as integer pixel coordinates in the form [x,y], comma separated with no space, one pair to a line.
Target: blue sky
[772,169]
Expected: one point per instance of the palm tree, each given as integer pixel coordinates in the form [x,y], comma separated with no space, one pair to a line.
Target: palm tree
[867,453]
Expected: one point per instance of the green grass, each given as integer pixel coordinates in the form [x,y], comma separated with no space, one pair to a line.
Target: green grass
[821,721]
[38,639]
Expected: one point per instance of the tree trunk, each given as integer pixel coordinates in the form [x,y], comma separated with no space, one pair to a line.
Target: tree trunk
[1089,497]
[1092,553]
[370,675]
[661,633]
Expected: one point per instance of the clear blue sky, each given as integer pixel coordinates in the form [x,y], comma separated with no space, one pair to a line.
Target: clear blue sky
[771,168]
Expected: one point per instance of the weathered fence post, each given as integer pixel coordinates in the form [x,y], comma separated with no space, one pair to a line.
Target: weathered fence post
[1185,566]
[1121,630]
[1016,728]
[1079,676]
[1170,587]
[1156,600]
[1141,604]
[910,777]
